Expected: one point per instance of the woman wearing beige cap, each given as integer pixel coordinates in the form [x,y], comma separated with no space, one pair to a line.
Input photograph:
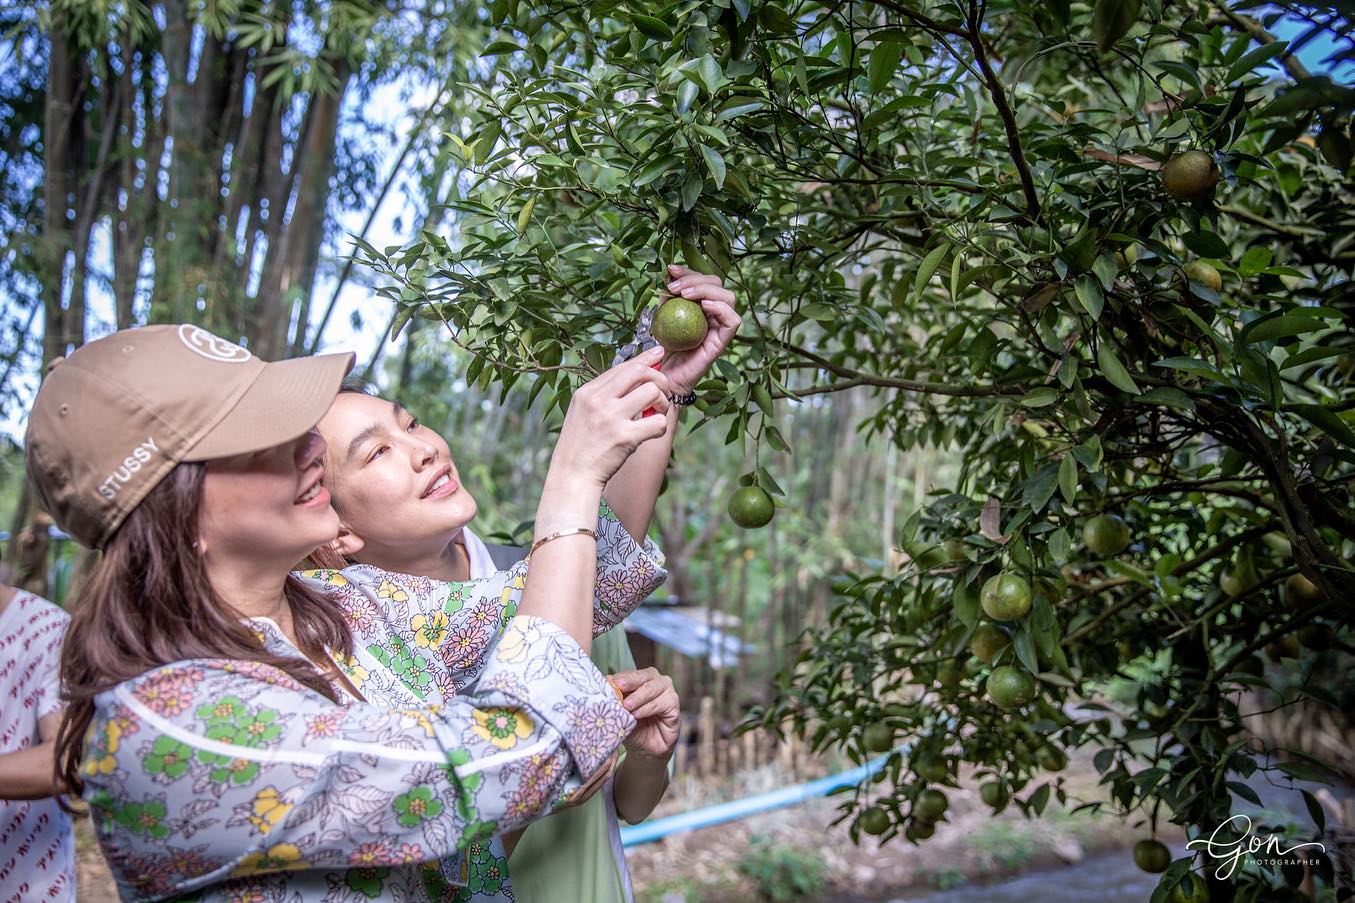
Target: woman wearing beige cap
[212,729]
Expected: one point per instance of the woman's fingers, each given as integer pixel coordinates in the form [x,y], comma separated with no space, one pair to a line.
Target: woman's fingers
[706,291]
[666,703]
[722,313]
[643,694]
[650,391]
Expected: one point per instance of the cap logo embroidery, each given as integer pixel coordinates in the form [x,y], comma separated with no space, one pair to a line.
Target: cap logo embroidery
[214,348]
[135,460]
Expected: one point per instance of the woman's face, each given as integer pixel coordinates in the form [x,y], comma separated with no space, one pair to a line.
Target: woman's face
[267,506]
[393,480]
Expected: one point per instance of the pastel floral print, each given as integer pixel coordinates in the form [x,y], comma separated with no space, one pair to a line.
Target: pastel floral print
[227,780]
[429,630]
[503,727]
[168,757]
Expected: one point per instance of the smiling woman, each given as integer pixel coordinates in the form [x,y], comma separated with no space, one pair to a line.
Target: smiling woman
[404,509]
[216,727]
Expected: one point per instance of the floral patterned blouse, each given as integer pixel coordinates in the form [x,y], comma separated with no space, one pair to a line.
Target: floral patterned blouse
[229,781]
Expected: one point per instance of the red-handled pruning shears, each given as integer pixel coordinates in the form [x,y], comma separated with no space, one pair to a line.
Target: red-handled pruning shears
[642,342]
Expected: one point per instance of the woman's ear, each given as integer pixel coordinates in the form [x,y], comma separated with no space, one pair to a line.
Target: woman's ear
[348,543]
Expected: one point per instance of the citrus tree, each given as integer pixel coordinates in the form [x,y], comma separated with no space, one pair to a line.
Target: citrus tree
[1100,252]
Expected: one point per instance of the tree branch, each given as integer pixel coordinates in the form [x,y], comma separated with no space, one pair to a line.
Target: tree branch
[857,378]
[1004,110]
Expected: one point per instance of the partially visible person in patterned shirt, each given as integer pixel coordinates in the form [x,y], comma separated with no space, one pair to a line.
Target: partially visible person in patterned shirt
[217,723]
[37,848]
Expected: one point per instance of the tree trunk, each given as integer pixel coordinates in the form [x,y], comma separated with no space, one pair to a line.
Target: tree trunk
[58,332]
[306,232]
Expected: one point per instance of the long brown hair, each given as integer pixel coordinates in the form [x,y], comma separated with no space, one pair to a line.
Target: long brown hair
[149,602]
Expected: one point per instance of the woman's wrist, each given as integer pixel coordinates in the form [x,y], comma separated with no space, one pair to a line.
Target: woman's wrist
[567,502]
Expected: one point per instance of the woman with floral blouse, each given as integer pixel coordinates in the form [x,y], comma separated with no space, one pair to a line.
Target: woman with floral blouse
[214,724]
[402,508]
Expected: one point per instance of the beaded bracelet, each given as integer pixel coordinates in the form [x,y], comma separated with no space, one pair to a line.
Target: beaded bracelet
[587,531]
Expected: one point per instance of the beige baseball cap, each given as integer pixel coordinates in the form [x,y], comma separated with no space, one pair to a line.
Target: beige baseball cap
[113,419]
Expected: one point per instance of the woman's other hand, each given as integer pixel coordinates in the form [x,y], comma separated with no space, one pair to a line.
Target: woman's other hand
[687,368]
[603,425]
[653,703]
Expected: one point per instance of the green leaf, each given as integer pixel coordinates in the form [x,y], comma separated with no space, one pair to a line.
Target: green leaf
[1254,261]
[1112,19]
[1089,295]
[1105,270]
[1025,650]
[655,168]
[1169,397]
[1040,488]
[1038,398]
[1279,327]
[966,602]
[686,95]
[1254,58]
[1194,367]
[652,28]
[1112,369]
[716,163]
[1325,420]
[401,318]
[499,47]
[525,216]
[1206,244]
[1068,478]
[884,61]
[928,267]
[1316,811]
[710,73]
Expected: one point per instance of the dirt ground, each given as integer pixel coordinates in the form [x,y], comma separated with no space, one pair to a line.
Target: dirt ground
[793,854]
[776,855]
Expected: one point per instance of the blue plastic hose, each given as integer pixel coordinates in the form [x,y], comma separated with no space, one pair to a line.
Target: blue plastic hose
[659,828]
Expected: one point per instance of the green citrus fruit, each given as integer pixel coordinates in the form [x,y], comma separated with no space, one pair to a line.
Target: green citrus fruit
[932,768]
[987,642]
[1152,856]
[1106,534]
[1200,272]
[751,507]
[954,549]
[919,829]
[1005,597]
[1192,889]
[994,795]
[878,738]
[1299,589]
[1010,688]
[1285,647]
[679,325]
[948,674]
[1278,543]
[875,820]
[1051,758]
[1190,176]
[931,805]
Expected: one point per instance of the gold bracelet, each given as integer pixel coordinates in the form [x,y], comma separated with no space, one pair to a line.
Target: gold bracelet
[587,531]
